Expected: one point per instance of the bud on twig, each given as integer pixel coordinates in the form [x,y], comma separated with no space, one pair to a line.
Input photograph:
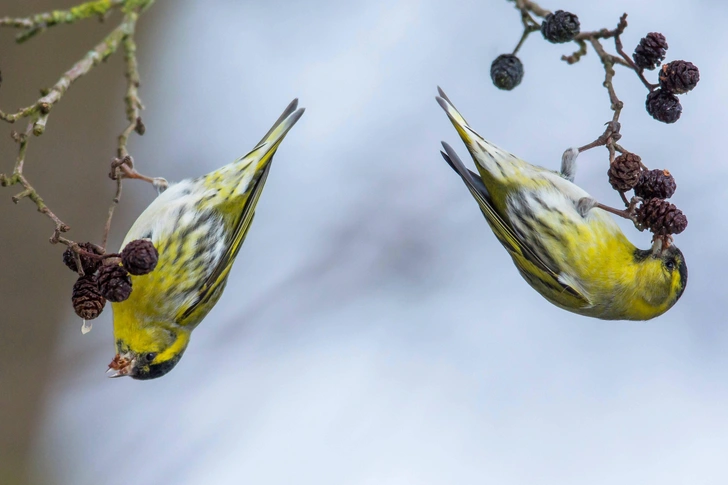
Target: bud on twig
[140,128]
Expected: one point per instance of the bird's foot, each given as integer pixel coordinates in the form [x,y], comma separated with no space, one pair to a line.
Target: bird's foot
[609,137]
[586,204]
[568,163]
[124,168]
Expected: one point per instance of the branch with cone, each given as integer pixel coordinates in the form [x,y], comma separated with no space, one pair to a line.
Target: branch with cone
[648,208]
[102,276]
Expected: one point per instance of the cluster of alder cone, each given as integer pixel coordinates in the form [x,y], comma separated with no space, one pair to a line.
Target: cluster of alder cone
[627,172]
[106,277]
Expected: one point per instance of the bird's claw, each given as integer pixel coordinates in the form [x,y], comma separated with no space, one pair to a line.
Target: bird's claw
[568,163]
[585,204]
[124,168]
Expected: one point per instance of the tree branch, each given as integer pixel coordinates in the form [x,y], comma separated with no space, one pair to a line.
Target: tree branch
[38,113]
[36,24]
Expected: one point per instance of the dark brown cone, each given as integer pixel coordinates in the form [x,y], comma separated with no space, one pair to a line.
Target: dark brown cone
[88,263]
[679,77]
[650,52]
[506,71]
[139,257]
[661,217]
[560,27]
[625,172]
[657,184]
[114,282]
[87,299]
[663,106]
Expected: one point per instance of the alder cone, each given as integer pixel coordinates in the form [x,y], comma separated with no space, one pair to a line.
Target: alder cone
[88,302]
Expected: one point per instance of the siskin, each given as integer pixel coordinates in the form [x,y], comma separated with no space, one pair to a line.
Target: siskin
[198,226]
[568,250]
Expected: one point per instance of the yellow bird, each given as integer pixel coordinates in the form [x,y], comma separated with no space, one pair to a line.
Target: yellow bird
[568,250]
[197,226]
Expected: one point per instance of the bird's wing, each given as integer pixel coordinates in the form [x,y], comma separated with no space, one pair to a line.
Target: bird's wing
[529,263]
[247,195]
[215,281]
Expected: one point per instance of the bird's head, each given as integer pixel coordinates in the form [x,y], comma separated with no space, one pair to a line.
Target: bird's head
[148,353]
[663,276]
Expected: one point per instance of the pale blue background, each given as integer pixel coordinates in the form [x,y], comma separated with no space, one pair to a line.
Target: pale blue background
[373,330]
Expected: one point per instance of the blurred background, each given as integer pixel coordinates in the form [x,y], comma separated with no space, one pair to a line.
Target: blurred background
[373,330]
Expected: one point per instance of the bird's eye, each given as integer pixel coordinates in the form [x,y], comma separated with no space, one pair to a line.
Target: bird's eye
[670,265]
[150,356]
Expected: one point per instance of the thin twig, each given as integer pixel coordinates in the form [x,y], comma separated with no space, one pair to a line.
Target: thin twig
[132,101]
[530,6]
[527,30]
[577,55]
[608,62]
[114,202]
[28,191]
[640,72]
[605,33]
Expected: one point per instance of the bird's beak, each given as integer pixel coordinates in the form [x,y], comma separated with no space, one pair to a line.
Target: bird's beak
[660,245]
[122,365]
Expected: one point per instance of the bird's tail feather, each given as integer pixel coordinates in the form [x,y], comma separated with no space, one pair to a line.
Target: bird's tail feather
[497,162]
[268,145]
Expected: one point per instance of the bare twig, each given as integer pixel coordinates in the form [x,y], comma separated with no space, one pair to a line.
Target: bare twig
[630,62]
[132,101]
[530,6]
[608,61]
[28,191]
[605,33]
[577,55]
[115,174]
[529,26]
[527,30]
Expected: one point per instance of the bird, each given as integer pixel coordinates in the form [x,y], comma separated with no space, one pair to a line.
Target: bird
[197,226]
[564,245]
